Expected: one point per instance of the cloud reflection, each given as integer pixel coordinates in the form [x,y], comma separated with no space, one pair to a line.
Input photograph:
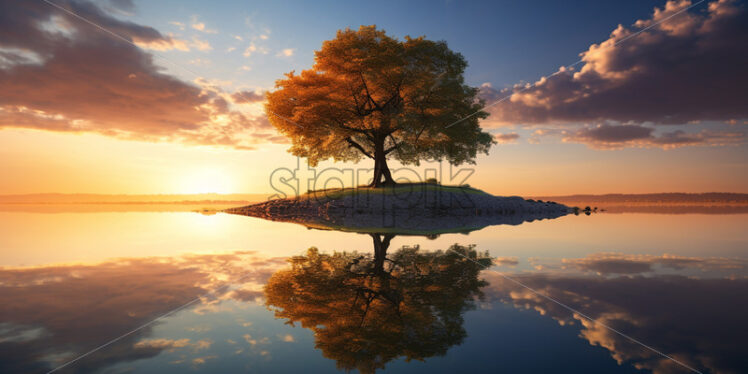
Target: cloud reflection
[691,308]
[696,320]
[55,313]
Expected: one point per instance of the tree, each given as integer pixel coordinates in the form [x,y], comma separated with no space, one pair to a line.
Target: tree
[366,311]
[371,95]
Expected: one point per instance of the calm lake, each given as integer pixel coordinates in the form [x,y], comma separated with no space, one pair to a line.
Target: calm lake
[160,292]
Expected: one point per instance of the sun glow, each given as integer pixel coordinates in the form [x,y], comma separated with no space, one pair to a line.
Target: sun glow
[209,180]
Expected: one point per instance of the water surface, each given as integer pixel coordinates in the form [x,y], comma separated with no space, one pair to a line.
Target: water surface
[225,298]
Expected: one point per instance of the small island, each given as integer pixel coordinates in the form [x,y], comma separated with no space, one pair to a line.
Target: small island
[404,209]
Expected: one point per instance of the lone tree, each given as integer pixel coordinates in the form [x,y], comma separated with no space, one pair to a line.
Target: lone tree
[371,95]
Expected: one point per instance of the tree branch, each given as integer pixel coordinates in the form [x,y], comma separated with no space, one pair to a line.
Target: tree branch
[368,94]
[395,145]
[353,144]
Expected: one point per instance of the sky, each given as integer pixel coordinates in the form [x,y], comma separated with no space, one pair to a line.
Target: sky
[138,97]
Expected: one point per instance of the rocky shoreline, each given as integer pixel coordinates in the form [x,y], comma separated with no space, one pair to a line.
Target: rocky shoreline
[413,210]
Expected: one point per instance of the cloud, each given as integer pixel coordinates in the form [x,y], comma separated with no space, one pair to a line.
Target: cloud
[199,62]
[253,342]
[618,263]
[615,134]
[163,343]
[72,77]
[179,25]
[243,97]
[288,52]
[201,45]
[248,51]
[608,136]
[167,43]
[125,7]
[203,344]
[507,138]
[200,26]
[506,261]
[288,338]
[252,48]
[202,360]
[690,67]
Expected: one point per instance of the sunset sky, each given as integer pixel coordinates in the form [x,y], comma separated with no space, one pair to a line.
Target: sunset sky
[167,97]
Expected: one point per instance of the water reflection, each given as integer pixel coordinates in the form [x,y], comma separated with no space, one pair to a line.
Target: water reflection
[367,310]
[696,317]
[52,314]
[370,310]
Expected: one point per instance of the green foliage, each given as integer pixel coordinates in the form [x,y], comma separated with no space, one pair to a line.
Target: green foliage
[371,95]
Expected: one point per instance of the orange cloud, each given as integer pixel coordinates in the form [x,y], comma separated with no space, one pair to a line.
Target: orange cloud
[510,137]
[86,80]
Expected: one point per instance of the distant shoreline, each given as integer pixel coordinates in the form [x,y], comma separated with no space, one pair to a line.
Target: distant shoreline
[659,198]
[674,203]
[668,203]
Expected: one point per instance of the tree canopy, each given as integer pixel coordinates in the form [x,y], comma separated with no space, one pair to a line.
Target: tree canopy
[366,311]
[371,95]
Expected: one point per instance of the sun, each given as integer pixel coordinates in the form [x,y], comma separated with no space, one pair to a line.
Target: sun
[208,180]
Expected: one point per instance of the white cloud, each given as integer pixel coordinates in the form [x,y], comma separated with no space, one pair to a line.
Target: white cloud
[180,25]
[249,50]
[252,48]
[200,26]
[201,45]
[288,52]
[288,338]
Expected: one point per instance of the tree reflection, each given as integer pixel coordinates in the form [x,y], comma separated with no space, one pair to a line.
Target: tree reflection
[368,310]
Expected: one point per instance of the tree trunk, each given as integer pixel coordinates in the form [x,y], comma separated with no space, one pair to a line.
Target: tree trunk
[381,243]
[381,171]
